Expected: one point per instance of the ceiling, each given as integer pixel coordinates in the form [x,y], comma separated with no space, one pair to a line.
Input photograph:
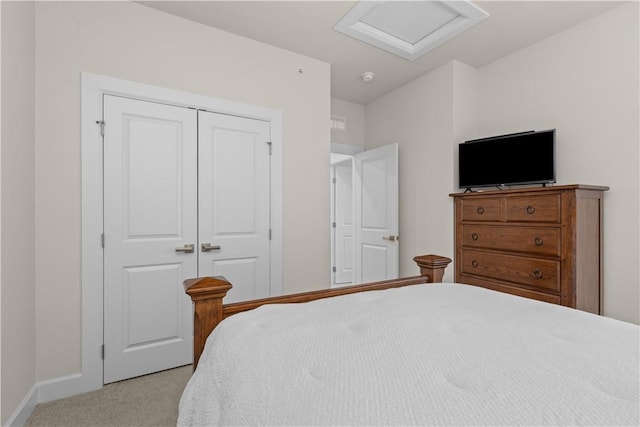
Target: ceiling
[307,27]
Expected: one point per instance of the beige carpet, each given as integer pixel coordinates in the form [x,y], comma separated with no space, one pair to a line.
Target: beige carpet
[151,400]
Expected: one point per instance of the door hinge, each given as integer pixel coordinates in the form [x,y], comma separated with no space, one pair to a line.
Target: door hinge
[334,180]
[269,234]
[101,124]
[102,351]
[270,147]
[333,269]
[102,240]
[333,224]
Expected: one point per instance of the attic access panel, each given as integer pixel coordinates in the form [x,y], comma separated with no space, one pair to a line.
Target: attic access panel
[409,28]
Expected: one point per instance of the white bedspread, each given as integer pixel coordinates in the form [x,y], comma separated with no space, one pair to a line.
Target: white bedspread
[438,354]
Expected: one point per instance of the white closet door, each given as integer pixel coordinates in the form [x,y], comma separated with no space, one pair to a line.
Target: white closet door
[376,214]
[234,164]
[150,218]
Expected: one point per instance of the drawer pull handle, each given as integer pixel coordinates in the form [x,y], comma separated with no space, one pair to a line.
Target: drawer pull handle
[530,209]
[538,241]
[474,263]
[537,273]
[480,210]
[474,236]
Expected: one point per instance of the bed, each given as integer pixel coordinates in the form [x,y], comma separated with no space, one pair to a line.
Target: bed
[406,353]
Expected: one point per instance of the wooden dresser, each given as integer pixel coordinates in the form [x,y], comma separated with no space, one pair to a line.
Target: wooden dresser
[543,243]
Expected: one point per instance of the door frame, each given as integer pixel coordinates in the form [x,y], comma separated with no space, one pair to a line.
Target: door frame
[93,87]
[349,150]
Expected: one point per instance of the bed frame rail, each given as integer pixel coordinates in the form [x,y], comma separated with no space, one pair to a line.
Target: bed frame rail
[207,294]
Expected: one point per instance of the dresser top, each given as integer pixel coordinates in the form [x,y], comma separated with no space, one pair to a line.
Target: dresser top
[531,190]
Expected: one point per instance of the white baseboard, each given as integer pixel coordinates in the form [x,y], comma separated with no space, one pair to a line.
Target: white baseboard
[24,409]
[46,391]
[59,388]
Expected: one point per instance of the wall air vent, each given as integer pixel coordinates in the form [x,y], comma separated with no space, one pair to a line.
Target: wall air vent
[409,28]
[338,123]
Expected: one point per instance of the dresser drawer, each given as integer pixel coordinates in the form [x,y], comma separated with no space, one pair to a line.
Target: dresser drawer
[539,273]
[509,289]
[537,241]
[482,209]
[542,208]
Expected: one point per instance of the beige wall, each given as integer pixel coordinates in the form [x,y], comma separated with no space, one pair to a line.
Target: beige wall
[420,116]
[465,110]
[17,201]
[133,42]
[583,82]
[354,114]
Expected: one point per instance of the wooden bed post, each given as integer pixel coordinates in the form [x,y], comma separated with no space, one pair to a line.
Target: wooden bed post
[432,266]
[206,294]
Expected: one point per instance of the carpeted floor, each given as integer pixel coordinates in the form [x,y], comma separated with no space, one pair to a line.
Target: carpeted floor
[151,400]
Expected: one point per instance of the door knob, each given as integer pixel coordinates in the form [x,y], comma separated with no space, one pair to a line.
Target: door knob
[392,238]
[206,247]
[187,248]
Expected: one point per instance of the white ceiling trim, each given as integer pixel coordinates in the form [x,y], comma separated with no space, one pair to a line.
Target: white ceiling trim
[385,24]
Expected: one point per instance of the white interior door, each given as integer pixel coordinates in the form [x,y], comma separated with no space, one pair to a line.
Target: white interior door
[343,220]
[150,218]
[234,194]
[376,214]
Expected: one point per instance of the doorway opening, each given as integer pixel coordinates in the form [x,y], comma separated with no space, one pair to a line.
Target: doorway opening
[342,206]
[364,214]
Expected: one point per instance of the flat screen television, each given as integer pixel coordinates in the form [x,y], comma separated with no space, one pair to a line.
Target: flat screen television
[513,159]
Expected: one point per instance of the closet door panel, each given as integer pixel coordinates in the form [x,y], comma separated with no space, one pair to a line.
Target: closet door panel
[234,170]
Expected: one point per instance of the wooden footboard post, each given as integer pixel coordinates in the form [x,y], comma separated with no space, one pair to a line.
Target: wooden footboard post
[206,293]
[432,266]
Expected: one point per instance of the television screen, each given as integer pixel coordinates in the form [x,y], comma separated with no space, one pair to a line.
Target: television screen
[522,158]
